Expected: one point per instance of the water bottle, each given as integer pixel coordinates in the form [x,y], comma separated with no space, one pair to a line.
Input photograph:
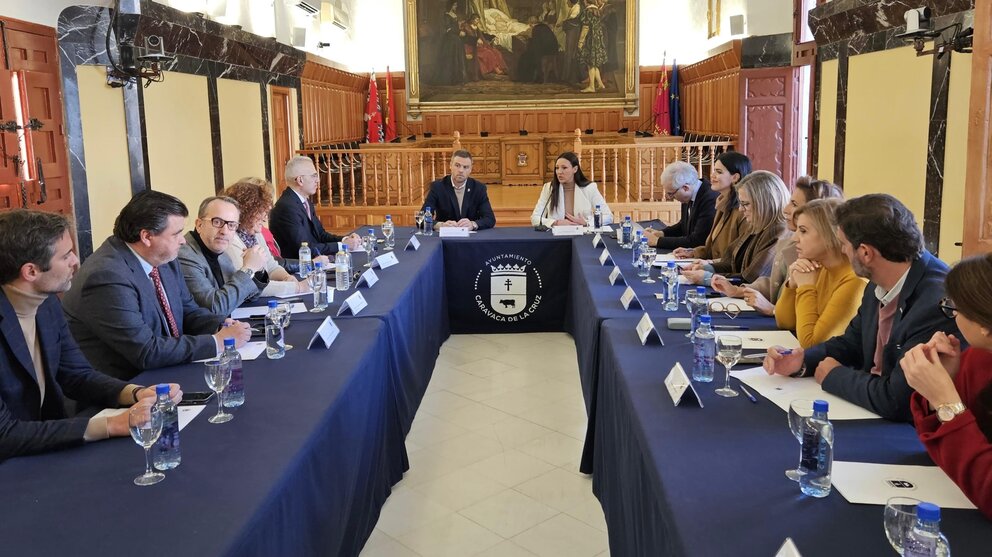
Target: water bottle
[626,233]
[342,271]
[428,221]
[306,260]
[167,454]
[698,307]
[817,452]
[640,248]
[703,351]
[671,287]
[387,233]
[925,539]
[275,344]
[234,393]
[318,282]
[597,218]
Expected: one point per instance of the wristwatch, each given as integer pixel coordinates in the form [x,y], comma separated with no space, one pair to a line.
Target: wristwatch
[947,412]
[247,271]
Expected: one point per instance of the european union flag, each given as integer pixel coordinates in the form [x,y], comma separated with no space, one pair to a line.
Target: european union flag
[674,106]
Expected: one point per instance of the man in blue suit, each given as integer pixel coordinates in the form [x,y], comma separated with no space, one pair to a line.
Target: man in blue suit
[682,184]
[460,200]
[900,309]
[130,309]
[40,362]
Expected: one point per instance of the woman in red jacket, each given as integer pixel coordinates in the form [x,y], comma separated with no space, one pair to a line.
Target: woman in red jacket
[952,405]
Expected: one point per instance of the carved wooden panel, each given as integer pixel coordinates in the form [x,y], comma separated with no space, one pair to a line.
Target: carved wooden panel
[978,184]
[769,102]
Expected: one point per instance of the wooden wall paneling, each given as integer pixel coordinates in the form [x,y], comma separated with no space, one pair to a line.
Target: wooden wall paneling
[710,92]
[978,184]
[768,98]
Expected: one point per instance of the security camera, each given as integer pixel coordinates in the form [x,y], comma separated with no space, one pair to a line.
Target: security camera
[154,50]
[917,23]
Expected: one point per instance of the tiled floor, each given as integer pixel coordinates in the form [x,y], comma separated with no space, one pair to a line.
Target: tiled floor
[494,456]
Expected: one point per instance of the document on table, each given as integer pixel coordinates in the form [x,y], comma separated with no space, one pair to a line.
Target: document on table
[763,340]
[260,311]
[249,351]
[186,413]
[874,484]
[662,259]
[783,390]
[291,295]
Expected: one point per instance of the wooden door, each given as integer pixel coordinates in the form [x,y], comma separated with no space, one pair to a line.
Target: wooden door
[978,185]
[282,133]
[769,115]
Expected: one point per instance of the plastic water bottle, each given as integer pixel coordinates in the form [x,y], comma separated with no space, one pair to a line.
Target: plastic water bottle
[167,454]
[275,344]
[234,393]
[925,539]
[387,233]
[318,283]
[342,271]
[626,228]
[306,260]
[697,307]
[817,452]
[703,351]
[597,217]
[671,287]
[636,252]
[428,221]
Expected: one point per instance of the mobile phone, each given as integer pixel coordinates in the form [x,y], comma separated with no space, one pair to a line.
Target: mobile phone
[196,398]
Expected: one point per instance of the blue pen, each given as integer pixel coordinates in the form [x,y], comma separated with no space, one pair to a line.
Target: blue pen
[785,352]
[748,394]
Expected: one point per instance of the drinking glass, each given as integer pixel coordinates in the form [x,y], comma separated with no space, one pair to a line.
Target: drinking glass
[388,234]
[647,262]
[587,215]
[369,244]
[284,310]
[145,423]
[799,411]
[418,217]
[218,374]
[898,519]
[728,351]
[692,304]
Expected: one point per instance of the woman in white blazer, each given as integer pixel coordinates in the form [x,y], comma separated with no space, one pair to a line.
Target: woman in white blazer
[569,196]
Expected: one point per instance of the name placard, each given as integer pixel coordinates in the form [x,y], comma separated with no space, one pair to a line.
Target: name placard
[368,278]
[597,240]
[788,549]
[352,305]
[604,257]
[615,276]
[678,384]
[646,331]
[386,260]
[453,232]
[412,244]
[629,299]
[327,332]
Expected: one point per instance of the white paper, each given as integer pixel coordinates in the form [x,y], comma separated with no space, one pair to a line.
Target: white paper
[684,280]
[874,484]
[606,229]
[615,274]
[604,257]
[567,230]
[286,295]
[368,278]
[412,243]
[662,259]
[252,350]
[597,240]
[353,304]
[453,232]
[726,301]
[763,340]
[788,549]
[260,311]
[387,260]
[629,299]
[783,390]
[186,413]
[327,332]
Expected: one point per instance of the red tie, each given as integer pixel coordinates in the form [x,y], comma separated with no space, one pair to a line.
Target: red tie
[162,301]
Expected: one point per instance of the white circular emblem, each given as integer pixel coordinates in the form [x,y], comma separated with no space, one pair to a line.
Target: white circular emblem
[514,288]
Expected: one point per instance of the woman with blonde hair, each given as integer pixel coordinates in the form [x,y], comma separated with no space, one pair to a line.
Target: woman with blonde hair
[822,293]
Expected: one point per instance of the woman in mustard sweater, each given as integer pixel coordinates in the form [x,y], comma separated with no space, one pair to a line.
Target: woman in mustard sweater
[822,293]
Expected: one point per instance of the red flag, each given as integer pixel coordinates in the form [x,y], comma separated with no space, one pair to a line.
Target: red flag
[373,116]
[390,108]
[662,118]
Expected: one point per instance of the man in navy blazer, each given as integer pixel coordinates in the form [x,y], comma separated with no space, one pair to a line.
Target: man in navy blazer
[682,184]
[40,363]
[130,309]
[459,200]
[293,219]
[899,310]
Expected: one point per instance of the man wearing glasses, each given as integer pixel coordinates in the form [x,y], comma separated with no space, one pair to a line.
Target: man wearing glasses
[698,201]
[129,308]
[209,271]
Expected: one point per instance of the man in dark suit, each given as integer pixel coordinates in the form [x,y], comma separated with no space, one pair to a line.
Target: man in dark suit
[698,201]
[459,200]
[899,310]
[130,309]
[293,219]
[40,362]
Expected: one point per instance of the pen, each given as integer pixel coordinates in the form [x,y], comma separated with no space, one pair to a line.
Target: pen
[748,394]
[785,352]
[732,327]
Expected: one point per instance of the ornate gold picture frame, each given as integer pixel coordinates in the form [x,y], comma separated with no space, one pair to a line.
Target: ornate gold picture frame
[520,54]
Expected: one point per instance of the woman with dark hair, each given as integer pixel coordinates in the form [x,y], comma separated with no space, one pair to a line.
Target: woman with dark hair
[728,225]
[569,196]
[952,405]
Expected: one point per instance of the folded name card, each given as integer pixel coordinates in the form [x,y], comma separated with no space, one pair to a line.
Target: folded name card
[368,278]
[678,385]
[412,244]
[327,332]
[646,331]
[453,232]
[353,304]
[616,276]
[597,240]
[629,299]
[604,257]
[386,260]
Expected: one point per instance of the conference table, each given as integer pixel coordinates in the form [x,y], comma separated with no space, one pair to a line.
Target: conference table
[306,464]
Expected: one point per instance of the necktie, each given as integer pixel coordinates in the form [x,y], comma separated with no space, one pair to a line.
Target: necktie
[164,302]
[306,207]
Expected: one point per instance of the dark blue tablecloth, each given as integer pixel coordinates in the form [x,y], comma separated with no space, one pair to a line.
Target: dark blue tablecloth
[710,481]
[301,470]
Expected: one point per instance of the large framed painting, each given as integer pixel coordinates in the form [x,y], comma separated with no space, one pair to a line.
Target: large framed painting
[520,54]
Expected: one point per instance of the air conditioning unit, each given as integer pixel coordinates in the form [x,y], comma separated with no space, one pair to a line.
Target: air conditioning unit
[336,13]
[308,8]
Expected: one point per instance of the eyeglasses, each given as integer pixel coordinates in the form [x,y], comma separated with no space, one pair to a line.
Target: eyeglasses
[218,222]
[946,306]
[744,204]
[731,310]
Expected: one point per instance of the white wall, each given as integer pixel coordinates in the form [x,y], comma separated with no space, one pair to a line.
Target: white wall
[43,12]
